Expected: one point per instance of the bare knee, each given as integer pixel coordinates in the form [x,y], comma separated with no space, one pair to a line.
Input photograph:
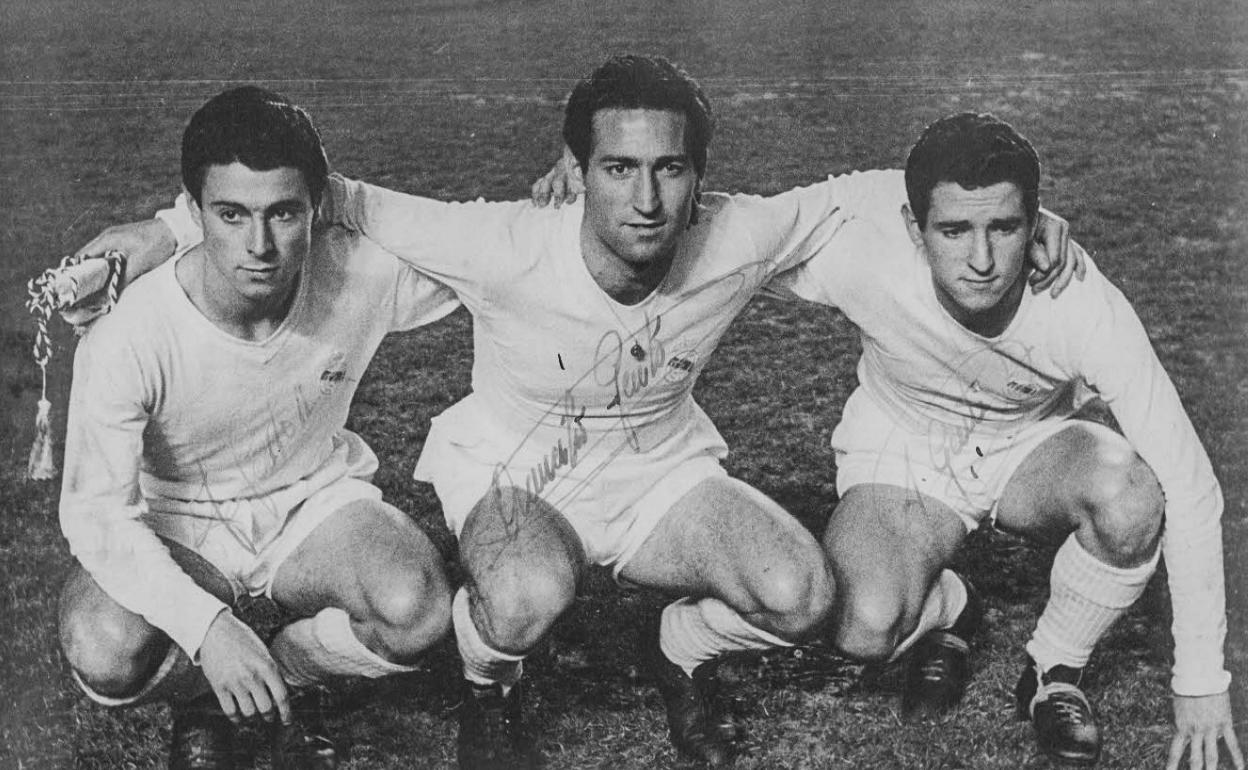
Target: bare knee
[1124,505]
[870,625]
[515,616]
[795,599]
[113,651]
[406,618]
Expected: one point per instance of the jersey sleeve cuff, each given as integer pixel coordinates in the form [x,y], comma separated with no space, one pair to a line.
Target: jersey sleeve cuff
[191,625]
[1196,685]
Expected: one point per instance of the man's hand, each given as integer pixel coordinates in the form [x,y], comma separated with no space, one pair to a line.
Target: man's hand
[1198,725]
[1056,258]
[562,184]
[146,244]
[242,673]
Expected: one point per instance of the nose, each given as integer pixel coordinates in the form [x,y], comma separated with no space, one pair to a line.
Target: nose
[646,198]
[981,260]
[259,238]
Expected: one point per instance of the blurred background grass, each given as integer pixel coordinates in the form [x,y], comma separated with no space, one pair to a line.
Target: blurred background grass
[1138,109]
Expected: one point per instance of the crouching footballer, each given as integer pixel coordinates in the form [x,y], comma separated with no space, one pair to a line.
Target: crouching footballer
[207,458]
[962,416]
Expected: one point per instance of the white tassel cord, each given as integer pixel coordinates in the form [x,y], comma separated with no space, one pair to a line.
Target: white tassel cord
[55,290]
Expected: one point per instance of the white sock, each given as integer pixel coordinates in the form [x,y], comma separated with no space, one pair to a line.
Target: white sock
[1086,596]
[483,664]
[944,603]
[693,631]
[323,647]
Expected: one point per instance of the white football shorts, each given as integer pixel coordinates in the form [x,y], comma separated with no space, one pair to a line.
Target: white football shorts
[248,539]
[613,496]
[965,469]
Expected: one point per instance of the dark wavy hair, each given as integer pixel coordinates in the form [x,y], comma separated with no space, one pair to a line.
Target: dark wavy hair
[974,150]
[255,127]
[639,82]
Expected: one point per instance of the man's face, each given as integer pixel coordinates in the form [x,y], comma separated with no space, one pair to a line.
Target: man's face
[639,183]
[976,244]
[257,231]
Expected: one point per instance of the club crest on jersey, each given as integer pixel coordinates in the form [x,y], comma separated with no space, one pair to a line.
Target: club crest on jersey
[335,372]
[681,366]
[1022,388]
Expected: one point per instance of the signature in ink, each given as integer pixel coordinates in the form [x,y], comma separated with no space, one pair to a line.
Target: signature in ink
[987,372]
[561,455]
[285,418]
[629,378]
[626,375]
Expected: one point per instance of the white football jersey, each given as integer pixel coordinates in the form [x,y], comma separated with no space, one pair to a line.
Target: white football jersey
[170,413]
[935,378]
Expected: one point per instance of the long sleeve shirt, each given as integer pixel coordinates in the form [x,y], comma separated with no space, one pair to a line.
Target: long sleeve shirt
[170,413]
[934,376]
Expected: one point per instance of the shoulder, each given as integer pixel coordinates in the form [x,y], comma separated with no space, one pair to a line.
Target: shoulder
[871,196]
[526,217]
[880,185]
[487,215]
[518,235]
[351,261]
[141,310]
[1094,292]
[336,248]
[1089,324]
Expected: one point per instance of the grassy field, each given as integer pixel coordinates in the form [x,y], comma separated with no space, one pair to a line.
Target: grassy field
[1139,111]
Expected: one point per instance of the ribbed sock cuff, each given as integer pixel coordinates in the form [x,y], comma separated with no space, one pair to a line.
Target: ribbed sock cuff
[324,647]
[1086,597]
[483,664]
[693,631]
[941,608]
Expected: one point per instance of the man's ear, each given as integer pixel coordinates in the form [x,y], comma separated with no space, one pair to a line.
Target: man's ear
[572,167]
[193,206]
[912,225]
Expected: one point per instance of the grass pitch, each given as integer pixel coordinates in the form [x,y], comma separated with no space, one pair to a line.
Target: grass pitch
[1138,109]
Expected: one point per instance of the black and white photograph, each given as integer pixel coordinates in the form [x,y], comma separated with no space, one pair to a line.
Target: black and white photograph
[517,384]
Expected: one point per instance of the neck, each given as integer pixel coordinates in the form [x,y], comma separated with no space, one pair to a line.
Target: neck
[996,319]
[625,282]
[234,314]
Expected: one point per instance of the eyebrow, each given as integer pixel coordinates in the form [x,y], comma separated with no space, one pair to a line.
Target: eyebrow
[634,160]
[1006,221]
[285,202]
[996,221]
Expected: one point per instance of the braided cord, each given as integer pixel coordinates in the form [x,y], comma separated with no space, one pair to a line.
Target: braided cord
[43,300]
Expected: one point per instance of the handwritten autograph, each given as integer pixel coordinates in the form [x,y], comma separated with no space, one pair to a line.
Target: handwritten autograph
[997,370]
[286,418]
[619,369]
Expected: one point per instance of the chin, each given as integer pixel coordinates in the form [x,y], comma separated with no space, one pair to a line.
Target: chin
[652,252]
[262,293]
[639,259]
[979,308]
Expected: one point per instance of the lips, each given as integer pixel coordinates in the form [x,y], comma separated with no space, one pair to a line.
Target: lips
[260,272]
[647,230]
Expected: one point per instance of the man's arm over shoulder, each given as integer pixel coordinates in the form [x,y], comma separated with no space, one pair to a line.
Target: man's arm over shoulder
[461,244]
[795,226]
[1111,351]
[418,300]
[101,503]
[866,236]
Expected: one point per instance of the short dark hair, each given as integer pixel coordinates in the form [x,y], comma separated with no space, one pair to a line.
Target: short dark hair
[255,127]
[973,150]
[639,82]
